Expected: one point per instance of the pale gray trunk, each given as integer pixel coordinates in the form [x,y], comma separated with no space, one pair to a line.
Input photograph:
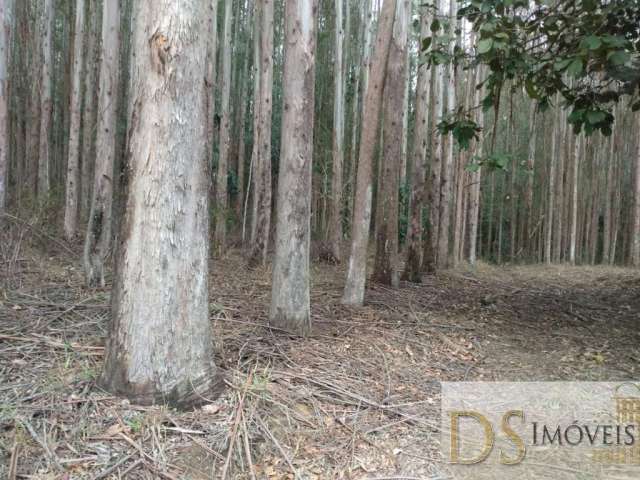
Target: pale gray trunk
[635,227]
[335,215]
[73,169]
[552,181]
[446,175]
[46,102]
[210,80]
[574,200]
[290,307]
[608,220]
[386,261]
[476,179]
[89,114]
[6,25]
[98,239]
[262,164]
[357,272]
[160,346]
[413,264]
[220,237]
[528,194]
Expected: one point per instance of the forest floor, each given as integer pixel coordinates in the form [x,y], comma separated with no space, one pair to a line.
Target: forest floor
[357,400]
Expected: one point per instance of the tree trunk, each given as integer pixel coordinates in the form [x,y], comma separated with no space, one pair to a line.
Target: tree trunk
[552,188]
[46,102]
[220,236]
[73,170]
[635,230]
[98,238]
[335,215]
[357,272]
[262,139]
[446,175]
[386,268]
[413,265]
[6,25]
[89,113]
[474,194]
[160,344]
[608,223]
[574,200]
[290,301]
[528,217]
[210,84]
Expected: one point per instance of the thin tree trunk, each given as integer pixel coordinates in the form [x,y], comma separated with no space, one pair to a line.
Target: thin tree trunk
[335,214]
[160,343]
[73,161]
[574,200]
[98,238]
[89,113]
[46,102]
[262,140]
[357,272]
[413,265]
[386,260]
[528,224]
[474,194]
[559,198]
[220,236]
[290,302]
[552,187]
[6,25]
[210,85]
[446,176]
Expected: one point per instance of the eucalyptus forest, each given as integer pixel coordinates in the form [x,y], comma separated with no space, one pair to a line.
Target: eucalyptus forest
[250,238]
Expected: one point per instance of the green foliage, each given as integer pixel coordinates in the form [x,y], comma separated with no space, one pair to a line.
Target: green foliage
[464,130]
[586,52]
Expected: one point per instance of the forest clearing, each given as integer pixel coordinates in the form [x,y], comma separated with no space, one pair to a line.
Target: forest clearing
[257,239]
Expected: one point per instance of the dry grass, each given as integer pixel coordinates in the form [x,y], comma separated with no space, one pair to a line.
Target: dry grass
[359,399]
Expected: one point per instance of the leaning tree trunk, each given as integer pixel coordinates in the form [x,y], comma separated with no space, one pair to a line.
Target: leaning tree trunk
[413,265]
[160,346]
[335,215]
[6,25]
[98,239]
[73,161]
[46,101]
[357,272]
[220,237]
[290,303]
[262,140]
[386,268]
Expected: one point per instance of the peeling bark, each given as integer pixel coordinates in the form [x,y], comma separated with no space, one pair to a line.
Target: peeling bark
[160,348]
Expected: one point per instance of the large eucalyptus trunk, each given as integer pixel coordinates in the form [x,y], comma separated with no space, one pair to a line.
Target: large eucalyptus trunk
[262,137]
[551,192]
[357,272]
[6,25]
[98,238]
[474,193]
[335,214]
[46,101]
[160,346]
[528,217]
[413,265]
[73,160]
[220,237]
[290,303]
[574,200]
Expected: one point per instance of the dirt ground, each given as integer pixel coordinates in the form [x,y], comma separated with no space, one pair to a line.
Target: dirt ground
[357,400]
